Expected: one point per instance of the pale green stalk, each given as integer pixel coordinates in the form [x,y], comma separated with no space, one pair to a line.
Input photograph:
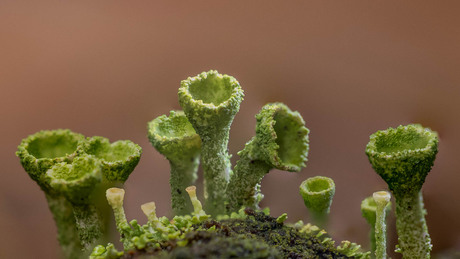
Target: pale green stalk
[381,199]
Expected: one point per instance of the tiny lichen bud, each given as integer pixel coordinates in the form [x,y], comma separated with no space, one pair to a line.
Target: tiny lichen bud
[317,193]
[197,207]
[115,197]
[149,210]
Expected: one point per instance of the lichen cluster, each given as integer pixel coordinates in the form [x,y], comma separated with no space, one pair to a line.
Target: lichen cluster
[75,172]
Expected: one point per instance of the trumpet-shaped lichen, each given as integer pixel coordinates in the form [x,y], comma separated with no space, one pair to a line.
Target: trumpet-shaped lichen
[403,157]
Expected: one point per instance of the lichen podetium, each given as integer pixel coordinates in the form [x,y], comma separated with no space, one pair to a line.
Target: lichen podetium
[403,157]
[210,101]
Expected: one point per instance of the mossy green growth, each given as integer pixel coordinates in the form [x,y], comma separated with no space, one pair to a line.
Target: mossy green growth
[281,142]
[74,172]
[317,193]
[210,101]
[403,157]
[247,234]
[176,139]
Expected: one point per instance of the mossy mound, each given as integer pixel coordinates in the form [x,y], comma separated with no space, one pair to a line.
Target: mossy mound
[255,236]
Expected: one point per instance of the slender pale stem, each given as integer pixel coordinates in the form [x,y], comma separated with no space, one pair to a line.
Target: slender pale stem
[381,200]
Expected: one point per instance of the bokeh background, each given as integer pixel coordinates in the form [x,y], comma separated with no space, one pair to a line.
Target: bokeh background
[349,67]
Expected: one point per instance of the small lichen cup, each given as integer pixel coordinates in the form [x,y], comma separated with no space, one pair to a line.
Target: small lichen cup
[403,157]
[317,193]
[175,138]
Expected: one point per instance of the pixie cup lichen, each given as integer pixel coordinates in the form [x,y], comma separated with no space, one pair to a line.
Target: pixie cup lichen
[175,138]
[317,193]
[210,101]
[74,172]
[403,157]
[281,142]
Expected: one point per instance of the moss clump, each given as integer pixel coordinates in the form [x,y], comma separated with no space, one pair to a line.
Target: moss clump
[255,235]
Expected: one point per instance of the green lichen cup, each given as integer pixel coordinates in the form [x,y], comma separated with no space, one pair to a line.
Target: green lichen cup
[40,151]
[403,157]
[317,193]
[118,159]
[176,139]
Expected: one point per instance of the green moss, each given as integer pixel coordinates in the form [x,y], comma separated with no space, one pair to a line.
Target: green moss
[255,235]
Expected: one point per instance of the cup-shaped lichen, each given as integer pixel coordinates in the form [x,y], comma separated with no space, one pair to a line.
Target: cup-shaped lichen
[118,159]
[317,193]
[176,139]
[403,158]
[77,180]
[74,172]
[40,151]
[210,101]
[281,142]
[369,211]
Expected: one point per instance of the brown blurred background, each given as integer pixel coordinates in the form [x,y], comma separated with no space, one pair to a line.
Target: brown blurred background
[349,67]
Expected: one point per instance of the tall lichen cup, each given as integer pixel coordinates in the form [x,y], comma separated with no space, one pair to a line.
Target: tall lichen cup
[175,138]
[210,101]
[403,157]
[281,142]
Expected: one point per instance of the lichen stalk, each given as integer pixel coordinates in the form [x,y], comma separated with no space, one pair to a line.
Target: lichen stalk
[210,101]
[381,199]
[67,230]
[369,211]
[413,238]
